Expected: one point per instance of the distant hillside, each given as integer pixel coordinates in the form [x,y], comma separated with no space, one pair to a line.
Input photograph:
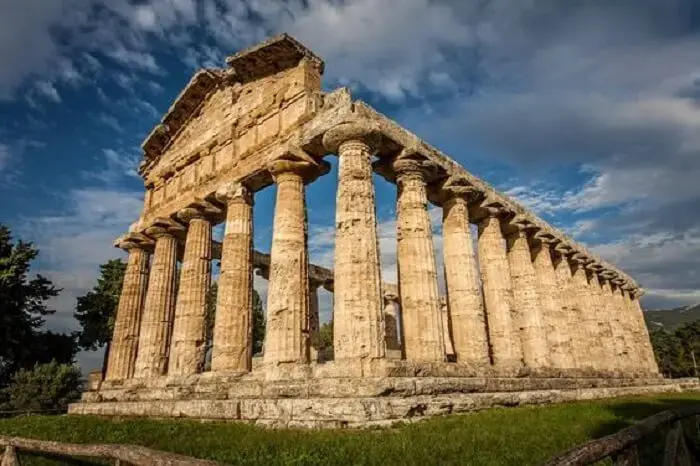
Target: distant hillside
[671,319]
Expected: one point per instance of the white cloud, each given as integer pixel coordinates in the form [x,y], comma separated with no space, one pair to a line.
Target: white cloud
[48,90]
[135,59]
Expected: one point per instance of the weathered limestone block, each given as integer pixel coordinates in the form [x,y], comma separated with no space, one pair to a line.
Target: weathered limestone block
[420,302]
[188,338]
[122,350]
[555,321]
[233,322]
[506,350]
[607,351]
[465,305]
[287,336]
[357,306]
[570,311]
[527,309]
[154,336]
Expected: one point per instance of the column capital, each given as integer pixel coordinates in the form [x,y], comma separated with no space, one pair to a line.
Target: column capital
[364,131]
[163,226]
[200,209]
[409,163]
[229,192]
[457,187]
[294,160]
[132,240]
[521,227]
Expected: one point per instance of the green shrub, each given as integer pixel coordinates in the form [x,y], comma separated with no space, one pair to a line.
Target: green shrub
[46,387]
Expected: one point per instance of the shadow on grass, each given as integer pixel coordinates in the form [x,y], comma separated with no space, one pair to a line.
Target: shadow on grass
[651,448]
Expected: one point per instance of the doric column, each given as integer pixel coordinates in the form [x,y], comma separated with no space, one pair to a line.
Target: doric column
[589,344]
[391,319]
[189,326]
[504,340]
[555,321]
[527,310]
[233,323]
[614,316]
[313,316]
[421,320]
[464,299]
[635,364]
[122,349]
[642,332]
[607,352]
[357,306]
[567,299]
[154,337]
[287,336]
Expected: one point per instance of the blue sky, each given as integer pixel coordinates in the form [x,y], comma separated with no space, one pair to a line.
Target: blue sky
[588,112]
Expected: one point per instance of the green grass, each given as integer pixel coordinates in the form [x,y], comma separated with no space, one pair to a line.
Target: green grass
[517,436]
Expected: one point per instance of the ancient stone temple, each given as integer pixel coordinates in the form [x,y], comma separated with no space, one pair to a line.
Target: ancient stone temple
[528,316]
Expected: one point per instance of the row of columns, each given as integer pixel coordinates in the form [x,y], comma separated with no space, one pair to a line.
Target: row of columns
[521,300]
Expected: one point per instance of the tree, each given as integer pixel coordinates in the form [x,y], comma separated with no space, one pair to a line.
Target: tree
[49,386]
[22,311]
[97,309]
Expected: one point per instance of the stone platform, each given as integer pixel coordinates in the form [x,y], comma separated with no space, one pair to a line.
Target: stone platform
[348,401]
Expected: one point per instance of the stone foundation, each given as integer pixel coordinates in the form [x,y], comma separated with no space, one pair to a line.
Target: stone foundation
[351,402]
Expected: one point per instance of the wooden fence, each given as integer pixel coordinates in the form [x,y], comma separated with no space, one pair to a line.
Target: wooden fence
[120,454]
[623,447]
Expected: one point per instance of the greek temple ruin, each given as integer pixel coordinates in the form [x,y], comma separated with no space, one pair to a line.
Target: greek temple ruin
[528,314]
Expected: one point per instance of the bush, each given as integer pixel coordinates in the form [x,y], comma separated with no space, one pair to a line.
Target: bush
[47,387]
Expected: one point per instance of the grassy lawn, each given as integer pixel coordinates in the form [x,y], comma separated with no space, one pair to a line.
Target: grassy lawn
[513,436]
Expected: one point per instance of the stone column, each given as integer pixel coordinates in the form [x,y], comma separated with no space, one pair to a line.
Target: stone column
[635,365]
[188,339]
[506,350]
[421,320]
[391,323]
[642,332]
[233,323]
[621,356]
[567,298]
[154,337]
[589,344]
[122,349]
[527,310]
[464,299]
[313,317]
[607,353]
[287,335]
[448,347]
[357,306]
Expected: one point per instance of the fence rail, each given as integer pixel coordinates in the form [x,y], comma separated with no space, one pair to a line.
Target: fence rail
[622,447]
[121,454]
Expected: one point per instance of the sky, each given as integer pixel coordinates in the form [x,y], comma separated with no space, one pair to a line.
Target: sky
[588,112]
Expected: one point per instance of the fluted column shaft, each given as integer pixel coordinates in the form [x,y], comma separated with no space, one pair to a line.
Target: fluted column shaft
[558,338]
[188,339]
[233,322]
[506,350]
[357,305]
[465,305]
[313,317]
[527,309]
[622,358]
[154,336]
[287,326]
[420,302]
[632,352]
[122,350]
[642,335]
[391,323]
[569,311]
[588,346]
[607,353]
